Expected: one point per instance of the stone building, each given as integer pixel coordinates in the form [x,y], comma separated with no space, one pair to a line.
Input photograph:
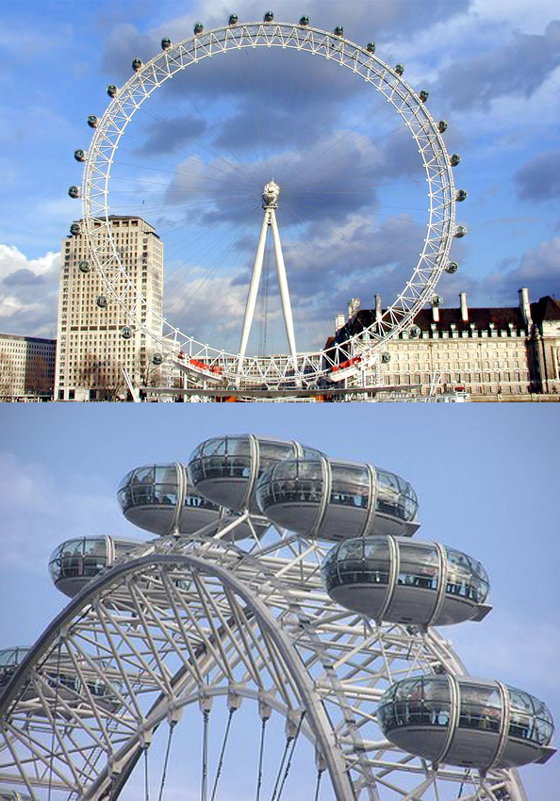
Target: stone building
[492,353]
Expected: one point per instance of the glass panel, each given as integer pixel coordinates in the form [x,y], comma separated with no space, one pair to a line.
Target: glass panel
[419,566]
[144,475]
[350,485]
[481,707]
[238,446]
[214,447]
[126,480]
[272,452]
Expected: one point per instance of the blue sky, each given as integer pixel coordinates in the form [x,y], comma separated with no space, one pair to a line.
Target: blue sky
[352,224]
[487,481]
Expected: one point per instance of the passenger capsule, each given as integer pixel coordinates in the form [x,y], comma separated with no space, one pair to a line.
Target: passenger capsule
[461,195]
[84,266]
[336,500]
[268,17]
[442,126]
[112,90]
[436,300]
[226,469]
[399,69]
[157,359]
[75,229]
[451,267]
[76,562]
[136,64]
[163,500]
[455,159]
[126,332]
[406,581]
[79,155]
[339,31]
[304,21]
[385,357]
[370,47]
[466,722]
[198,28]
[165,43]
[424,95]
[92,121]
[10,658]
[414,332]
[62,689]
[460,231]
[102,302]
[233,19]
[74,192]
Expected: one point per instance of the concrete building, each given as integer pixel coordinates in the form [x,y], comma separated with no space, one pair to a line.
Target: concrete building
[26,366]
[492,353]
[92,352]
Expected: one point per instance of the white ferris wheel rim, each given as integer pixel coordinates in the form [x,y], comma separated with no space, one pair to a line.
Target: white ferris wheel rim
[110,128]
[97,645]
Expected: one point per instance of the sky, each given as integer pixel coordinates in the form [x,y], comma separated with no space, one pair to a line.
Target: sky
[486,478]
[196,157]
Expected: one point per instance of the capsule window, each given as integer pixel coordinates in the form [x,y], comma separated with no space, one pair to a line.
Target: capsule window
[349,486]
[481,707]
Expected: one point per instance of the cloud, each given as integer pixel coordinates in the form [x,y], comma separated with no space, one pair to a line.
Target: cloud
[539,179]
[538,269]
[31,494]
[28,292]
[171,136]
[519,67]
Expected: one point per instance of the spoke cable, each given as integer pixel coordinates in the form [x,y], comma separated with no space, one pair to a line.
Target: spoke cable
[166,760]
[222,753]
[318,787]
[203,786]
[290,746]
[261,756]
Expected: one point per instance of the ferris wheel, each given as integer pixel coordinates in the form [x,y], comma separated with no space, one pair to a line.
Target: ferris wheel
[350,353]
[237,656]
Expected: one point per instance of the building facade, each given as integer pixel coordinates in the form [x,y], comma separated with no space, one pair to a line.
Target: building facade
[491,353]
[92,353]
[26,366]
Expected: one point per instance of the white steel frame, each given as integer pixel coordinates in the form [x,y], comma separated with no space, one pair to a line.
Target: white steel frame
[183,620]
[270,371]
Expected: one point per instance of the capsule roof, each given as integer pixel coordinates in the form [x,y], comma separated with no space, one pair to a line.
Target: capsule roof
[466,722]
[336,500]
[406,581]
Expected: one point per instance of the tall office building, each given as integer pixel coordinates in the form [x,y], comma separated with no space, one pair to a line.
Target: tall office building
[92,353]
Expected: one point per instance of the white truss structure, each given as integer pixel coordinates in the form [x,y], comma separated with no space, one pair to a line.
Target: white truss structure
[185,620]
[269,371]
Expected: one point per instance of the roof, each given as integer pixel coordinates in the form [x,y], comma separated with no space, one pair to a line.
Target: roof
[547,308]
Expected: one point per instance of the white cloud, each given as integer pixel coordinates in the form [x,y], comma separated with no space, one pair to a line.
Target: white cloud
[28,292]
[37,513]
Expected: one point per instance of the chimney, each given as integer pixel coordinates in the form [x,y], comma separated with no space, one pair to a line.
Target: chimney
[464,307]
[378,309]
[339,322]
[525,307]
[435,314]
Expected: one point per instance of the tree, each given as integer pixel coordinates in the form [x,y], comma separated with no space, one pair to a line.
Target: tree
[102,375]
[38,379]
[147,373]
[7,376]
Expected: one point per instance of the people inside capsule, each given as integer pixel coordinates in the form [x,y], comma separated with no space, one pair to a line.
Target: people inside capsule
[226,469]
[416,714]
[406,581]
[74,563]
[163,500]
[337,500]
